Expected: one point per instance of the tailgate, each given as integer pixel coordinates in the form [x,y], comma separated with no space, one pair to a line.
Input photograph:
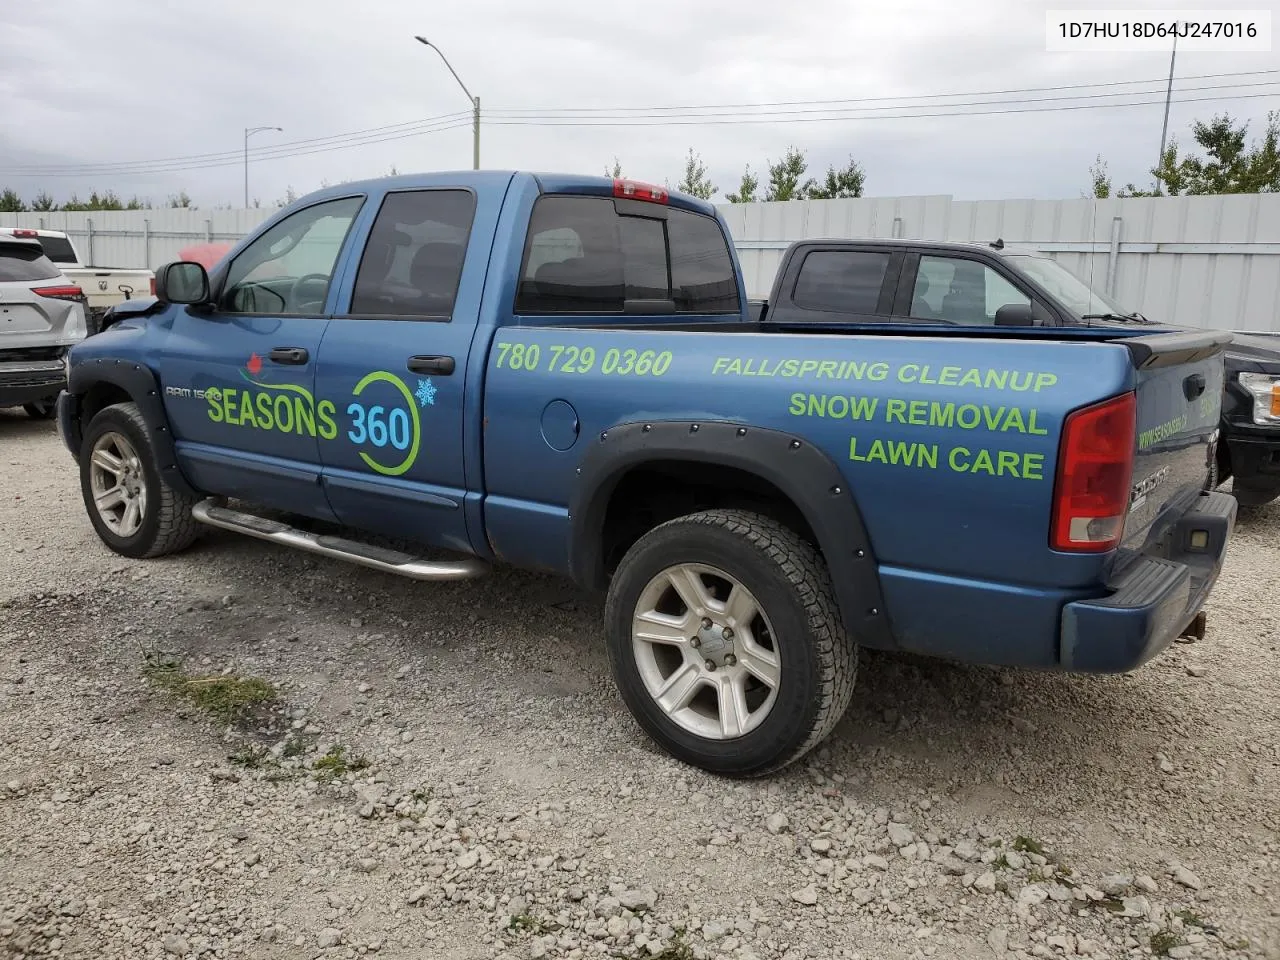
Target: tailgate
[1179,397]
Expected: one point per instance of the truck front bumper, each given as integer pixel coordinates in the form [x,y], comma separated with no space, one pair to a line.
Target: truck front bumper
[1255,468]
[1157,596]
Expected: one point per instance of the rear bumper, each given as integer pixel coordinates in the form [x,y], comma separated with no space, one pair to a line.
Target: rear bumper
[1255,467]
[1156,598]
[28,381]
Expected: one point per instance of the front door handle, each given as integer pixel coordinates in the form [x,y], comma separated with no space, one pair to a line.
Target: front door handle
[293,355]
[440,366]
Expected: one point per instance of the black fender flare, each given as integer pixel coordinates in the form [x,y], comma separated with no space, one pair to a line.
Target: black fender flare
[140,383]
[801,471]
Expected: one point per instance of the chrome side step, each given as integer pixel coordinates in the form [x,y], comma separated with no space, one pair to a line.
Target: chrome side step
[379,558]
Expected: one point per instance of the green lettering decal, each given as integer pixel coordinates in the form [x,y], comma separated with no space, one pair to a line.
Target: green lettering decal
[325,411]
[246,410]
[304,417]
[229,406]
[213,397]
[896,410]
[1033,466]
[266,420]
[797,407]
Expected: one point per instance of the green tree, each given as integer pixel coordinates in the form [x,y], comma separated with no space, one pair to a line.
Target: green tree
[746,189]
[616,171]
[785,177]
[696,183]
[10,202]
[180,200]
[43,203]
[1230,164]
[843,183]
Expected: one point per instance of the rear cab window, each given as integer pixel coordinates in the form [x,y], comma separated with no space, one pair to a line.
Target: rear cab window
[25,262]
[841,281]
[58,249]
[584,256]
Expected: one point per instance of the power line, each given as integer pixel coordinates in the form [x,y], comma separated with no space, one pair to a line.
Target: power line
[712,120]
[724,114]
[264,151]
[234,162]
[503,115]
[921,96]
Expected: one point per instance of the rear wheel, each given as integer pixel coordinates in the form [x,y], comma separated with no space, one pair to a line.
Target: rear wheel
[133,510]
[41,409]
[726,642]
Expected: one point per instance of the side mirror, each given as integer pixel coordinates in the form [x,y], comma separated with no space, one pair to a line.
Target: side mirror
[182,282]
[1017,315]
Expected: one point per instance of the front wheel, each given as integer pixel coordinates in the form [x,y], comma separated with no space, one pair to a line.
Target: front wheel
[727,644]
[133,510]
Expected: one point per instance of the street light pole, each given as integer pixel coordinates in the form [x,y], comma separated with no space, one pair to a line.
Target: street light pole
[475,103]
[248,132]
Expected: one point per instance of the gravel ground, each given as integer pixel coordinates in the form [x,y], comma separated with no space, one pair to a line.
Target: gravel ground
[448,773]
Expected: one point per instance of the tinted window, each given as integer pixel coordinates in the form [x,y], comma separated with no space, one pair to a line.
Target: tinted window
[22,262]
[841,281]
[58,249]
[583,257]
[413,259]
[286,271]
[967,292]
[702,277]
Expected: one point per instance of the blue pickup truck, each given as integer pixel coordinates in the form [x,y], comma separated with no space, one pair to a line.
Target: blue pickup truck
[562,373]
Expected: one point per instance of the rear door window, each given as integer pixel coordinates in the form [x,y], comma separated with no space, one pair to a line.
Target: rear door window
[412,262]
[22,262]
[841,281]
[583,256]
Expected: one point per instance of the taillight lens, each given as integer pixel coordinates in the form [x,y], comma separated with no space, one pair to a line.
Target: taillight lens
[635,190]
[59,293]
[1095,469]
[153,286]
[25,233]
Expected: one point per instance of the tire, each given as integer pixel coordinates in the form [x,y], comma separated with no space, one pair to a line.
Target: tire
[163,522]
[796,638]
[41,409]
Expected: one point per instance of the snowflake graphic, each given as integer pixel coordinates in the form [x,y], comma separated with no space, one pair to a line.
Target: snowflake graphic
[426,393]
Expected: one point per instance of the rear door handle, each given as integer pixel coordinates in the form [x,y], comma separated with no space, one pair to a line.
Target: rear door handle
[293,355]
[440,366]
[1193,386]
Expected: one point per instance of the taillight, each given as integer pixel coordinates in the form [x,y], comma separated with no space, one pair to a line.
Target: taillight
[635,190]
[25,233]
[59,293]
[153,286]
[1095,468]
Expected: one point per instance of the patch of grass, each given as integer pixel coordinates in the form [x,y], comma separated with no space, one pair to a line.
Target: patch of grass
[1028,845]
[1191,918]
[250,757]
[1241,944]
[678,949]
[293,747]
[335,764]
[228,698]
[527,923]
[1163,942]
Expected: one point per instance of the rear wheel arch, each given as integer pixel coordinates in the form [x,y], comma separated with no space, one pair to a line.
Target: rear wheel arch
[649,473]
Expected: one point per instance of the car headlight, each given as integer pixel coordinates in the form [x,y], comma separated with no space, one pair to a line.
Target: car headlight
[1265,389]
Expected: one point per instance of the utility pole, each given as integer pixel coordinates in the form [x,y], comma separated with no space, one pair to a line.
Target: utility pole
[1168,96]
[248,132]
[475,103]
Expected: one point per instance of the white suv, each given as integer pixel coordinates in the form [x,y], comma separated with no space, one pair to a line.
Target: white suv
[42,314]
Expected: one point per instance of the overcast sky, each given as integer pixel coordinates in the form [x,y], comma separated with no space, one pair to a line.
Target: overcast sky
[110,81]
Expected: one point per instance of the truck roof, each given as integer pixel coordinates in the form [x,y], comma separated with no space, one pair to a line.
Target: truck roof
[32,232]
[548,182]
[959,246]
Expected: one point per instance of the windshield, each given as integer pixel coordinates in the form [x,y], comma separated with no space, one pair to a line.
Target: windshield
[1074,293]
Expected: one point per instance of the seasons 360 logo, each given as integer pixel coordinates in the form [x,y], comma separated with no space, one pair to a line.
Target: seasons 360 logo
[388,434]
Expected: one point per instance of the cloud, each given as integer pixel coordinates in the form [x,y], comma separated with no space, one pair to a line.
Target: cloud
[138,80]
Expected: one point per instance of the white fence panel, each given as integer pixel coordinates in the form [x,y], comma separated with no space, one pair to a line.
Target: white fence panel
[1196,261]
